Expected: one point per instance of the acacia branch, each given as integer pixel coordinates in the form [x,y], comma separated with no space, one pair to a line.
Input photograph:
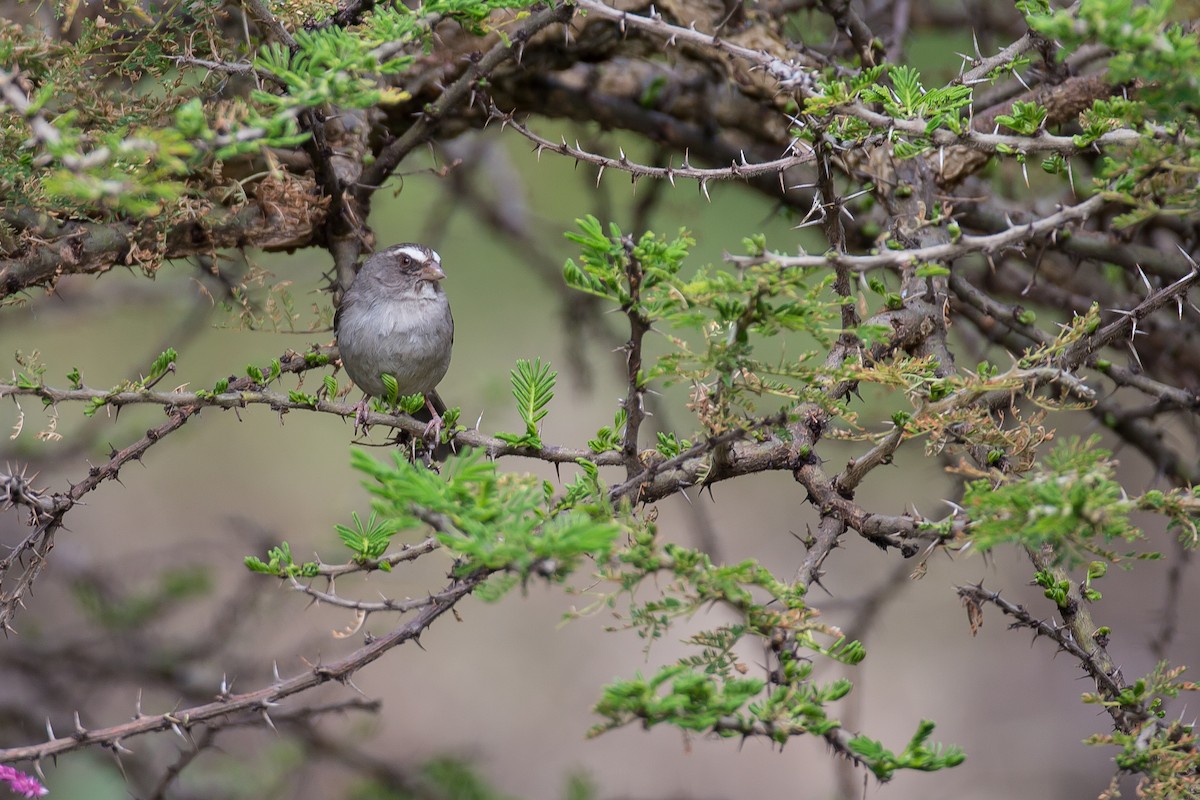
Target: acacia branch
[947,252]
[260,701]
[789,74]
[57,248]
[253,395]
[745,170]
[639,326]
[1078,642]
[982,67]
[1166,396]
[800,78]
[48,510]
[362,607]
[1127,321]
[407,552]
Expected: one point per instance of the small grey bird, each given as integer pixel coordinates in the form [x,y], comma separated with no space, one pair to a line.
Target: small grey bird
[395,319]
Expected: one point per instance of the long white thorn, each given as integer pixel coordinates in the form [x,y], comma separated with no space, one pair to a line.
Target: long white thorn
[1145,280]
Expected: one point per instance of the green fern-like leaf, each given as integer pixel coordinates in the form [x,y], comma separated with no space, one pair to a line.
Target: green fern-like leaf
[533,388]
[906,83]
[163,364]
[391,388]
[367,541]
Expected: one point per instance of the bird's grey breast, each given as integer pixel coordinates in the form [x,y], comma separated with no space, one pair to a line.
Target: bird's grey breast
[408,337]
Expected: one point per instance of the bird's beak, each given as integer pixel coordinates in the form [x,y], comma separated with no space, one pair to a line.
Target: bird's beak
[431,272]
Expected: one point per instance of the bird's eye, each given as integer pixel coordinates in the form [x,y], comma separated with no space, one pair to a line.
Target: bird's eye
[405,260]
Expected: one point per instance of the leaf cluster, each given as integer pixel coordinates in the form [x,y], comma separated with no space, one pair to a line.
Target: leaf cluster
[370,541]
[907,98]
[1072,503]
[108,150]
[281,564]
[132,143]
[1161,58]
[490,521]
[707,692]
[357,67]
[725,314]
[1164,753]
[899,92]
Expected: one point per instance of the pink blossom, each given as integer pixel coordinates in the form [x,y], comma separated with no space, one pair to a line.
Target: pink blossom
[22,784]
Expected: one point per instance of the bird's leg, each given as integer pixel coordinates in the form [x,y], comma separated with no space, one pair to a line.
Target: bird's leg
[360,416]
[433,430]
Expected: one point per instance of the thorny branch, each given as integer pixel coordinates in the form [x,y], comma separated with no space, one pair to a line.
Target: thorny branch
[639,326]
[258,702]
[656,478]
[950,251]
[47,510]
[1091,656]
[736,171]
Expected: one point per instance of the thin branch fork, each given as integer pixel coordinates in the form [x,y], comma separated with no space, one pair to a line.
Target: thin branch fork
[1143,436]
[837,511]
[1127,322]
[363,607]
[1166,397]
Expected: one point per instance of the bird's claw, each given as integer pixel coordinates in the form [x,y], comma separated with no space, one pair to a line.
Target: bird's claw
[360,417]
[433,431]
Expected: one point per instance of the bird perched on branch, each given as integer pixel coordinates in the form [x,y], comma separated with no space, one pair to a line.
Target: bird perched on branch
[395,320]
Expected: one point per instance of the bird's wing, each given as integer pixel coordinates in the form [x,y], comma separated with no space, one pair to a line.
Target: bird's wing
[347,299]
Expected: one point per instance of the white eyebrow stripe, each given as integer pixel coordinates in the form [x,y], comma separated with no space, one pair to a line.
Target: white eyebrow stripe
[436,257]
[410,250]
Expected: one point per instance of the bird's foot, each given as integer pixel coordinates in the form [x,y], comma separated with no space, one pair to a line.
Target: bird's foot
[360,416]
[433,432]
